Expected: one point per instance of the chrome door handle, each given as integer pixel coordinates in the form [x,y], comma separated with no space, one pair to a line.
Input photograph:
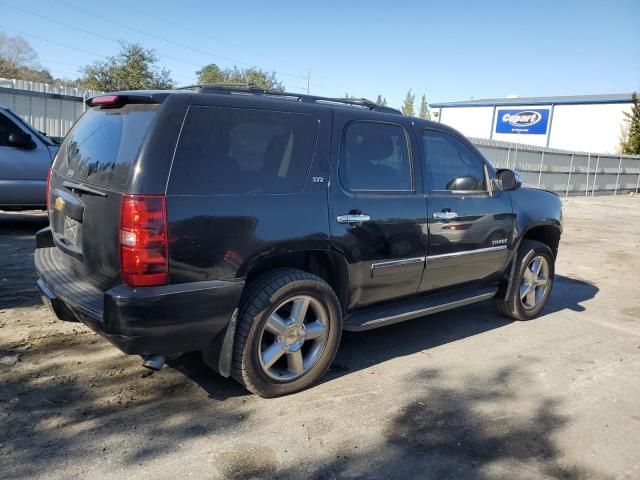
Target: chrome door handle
[445,215]
[353,218]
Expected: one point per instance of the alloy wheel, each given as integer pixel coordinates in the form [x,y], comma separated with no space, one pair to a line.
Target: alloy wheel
[293,338]
[535,282]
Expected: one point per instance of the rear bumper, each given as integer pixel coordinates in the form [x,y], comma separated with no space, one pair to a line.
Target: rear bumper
[164,320]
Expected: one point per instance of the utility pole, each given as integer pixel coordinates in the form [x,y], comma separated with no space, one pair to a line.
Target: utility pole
[308,80]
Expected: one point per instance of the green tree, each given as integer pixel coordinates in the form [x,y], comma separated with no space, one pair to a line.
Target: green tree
[133,68]
[630,144]
[424,108]
[212,73]
[407,106]
[381,101]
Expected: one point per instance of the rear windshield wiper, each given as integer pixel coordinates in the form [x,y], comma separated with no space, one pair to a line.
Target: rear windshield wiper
[80,187]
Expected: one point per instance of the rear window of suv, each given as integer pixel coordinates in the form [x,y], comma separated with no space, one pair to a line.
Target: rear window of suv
[101,147]
[231,151]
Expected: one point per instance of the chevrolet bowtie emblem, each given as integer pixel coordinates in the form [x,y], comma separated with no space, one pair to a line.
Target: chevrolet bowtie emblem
[59,203]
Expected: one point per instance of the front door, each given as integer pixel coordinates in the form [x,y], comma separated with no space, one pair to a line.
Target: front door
[470,226]
[377,211]
[23,171]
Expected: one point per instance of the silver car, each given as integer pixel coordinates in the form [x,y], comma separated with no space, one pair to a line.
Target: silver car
[25,157]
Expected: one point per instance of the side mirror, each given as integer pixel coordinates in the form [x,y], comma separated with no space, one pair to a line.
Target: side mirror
[508,179]
[21,140]
[466,183]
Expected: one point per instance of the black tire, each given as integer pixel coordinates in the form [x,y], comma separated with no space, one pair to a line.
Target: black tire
[257,305]
[512,306]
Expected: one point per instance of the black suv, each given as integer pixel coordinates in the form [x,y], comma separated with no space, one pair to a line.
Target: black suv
[254,226]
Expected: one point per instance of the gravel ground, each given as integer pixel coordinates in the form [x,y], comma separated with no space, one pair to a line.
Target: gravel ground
[462,394]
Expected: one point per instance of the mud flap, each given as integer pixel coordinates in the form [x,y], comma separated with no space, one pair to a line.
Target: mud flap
[220,355]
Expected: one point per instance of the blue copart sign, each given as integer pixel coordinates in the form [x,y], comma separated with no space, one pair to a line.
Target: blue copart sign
[523,121]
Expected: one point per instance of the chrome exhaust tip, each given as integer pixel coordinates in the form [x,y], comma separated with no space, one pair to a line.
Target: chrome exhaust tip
[154,362]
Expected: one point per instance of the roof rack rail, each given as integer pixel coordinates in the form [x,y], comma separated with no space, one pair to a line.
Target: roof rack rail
[248,88]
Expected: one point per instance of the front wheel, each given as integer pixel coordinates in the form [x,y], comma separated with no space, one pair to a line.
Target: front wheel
[288,332]
[532,284]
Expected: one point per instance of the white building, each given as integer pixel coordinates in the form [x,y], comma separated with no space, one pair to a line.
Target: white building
[588,123]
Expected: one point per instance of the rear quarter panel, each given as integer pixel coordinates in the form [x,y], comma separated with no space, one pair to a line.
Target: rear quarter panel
[222,236]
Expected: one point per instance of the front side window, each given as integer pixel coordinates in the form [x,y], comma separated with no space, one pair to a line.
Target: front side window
[7,127]
[450,164]
[375,156]
[232,151]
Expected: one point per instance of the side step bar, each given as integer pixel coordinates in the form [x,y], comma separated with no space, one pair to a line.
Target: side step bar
[381,316]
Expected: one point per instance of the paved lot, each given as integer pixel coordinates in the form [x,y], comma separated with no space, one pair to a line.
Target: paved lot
[463,394]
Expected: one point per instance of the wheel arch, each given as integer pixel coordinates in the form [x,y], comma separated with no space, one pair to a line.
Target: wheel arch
[547,232]
[329,265]
[544,231]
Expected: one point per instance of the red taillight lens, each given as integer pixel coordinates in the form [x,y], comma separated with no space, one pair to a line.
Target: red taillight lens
[48,193]
[143,240]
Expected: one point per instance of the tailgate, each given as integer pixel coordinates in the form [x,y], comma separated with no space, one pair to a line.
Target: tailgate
[93,168]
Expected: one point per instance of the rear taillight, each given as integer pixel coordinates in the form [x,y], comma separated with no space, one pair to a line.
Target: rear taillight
[143,240]
[47,193]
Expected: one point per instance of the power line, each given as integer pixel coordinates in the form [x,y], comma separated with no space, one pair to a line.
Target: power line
[158,37]
[160,54]
[64,45]
[220,40]
[48,40]
[93,33]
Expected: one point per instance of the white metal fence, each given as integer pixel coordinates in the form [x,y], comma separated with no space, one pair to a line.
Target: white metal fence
[563,172]
[49,108]
[53,109]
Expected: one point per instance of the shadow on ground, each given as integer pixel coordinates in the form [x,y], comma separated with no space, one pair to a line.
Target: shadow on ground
[73,397]
[490,428]
[365,349]
[55,409]
[17,243]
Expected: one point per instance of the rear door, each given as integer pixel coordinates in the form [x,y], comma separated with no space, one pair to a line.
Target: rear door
[377,212]
[23,171]
[470,226]
[94,167]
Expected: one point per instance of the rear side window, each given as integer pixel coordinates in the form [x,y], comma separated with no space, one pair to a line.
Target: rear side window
[229,151]
[101,147]
[375,156]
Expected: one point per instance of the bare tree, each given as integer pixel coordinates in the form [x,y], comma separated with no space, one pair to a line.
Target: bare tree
[16,53]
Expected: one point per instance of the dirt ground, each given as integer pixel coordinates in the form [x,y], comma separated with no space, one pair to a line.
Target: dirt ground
[462,394]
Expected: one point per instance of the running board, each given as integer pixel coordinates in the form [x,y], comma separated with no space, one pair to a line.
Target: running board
[381,316]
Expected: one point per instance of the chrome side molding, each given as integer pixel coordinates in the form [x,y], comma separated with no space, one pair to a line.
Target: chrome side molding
[467,252]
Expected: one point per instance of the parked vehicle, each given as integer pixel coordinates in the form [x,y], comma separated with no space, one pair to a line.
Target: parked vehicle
[25,157]
[256,226]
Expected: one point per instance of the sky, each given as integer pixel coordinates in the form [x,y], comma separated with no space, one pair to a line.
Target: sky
[448,50]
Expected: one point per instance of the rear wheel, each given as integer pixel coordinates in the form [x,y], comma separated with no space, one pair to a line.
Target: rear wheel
[532,283]
[288,333]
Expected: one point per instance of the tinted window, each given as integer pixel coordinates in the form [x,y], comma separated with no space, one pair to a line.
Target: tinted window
[451,165]
[7,127]
[374,156]
[227,151]
[102,146]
